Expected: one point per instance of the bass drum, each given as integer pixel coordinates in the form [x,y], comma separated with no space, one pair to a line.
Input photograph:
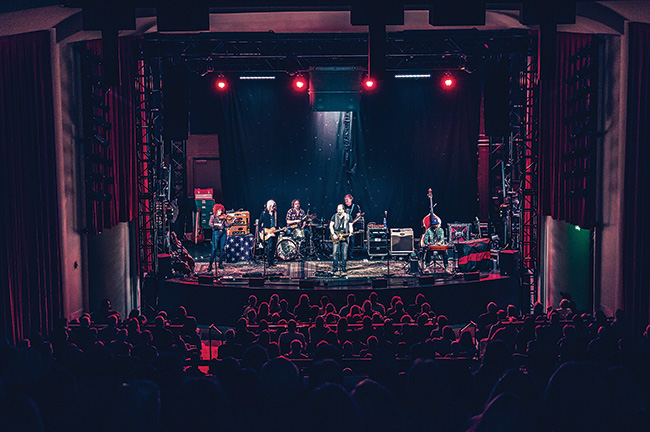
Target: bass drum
[286,249]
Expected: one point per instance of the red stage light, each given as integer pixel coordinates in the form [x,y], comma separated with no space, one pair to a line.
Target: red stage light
[448,81]
[370,83]
[221,83]
[300,83]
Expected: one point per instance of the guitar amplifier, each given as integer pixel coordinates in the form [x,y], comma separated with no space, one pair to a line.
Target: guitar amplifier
[401,241]
[377,240]
[242,225]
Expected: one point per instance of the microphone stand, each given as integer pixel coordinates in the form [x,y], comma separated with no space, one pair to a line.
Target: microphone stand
[387,247]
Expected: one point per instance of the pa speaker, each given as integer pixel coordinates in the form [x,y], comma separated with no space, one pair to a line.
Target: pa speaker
[165,266]
[188,15]
[457,13]
[334,89]
[496,100]
[379,283]
[176,99]
[509,262]
[427,280]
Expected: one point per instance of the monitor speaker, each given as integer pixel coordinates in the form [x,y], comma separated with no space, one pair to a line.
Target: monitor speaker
[306,284]
[206,279]
[256,282]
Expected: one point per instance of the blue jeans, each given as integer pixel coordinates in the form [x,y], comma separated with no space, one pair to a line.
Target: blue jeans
[340,255]
[218,243]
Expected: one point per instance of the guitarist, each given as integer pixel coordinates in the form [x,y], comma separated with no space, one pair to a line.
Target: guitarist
[340,229]
[354,213]
[269,221]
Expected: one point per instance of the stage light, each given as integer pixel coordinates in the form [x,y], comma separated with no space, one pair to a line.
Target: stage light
[412,76]
[448,81]
[221,83]
[300,83]
[369,83]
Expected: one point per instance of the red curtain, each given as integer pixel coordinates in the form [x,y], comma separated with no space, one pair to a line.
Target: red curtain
[121,100]
[636,207]
[555,188]
[30,276]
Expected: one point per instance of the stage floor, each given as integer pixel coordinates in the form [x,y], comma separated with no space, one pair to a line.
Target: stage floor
[219,298]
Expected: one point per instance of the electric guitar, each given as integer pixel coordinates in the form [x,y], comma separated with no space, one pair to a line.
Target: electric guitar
[356,219]
[339,237]
[270,232]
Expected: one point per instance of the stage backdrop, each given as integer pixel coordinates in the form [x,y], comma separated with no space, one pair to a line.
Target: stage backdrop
[408,136]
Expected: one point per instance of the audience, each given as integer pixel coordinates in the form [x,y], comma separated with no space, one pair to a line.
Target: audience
[363,371]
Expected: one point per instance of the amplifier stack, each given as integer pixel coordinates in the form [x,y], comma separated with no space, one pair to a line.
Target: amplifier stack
[377,240]
[242,225]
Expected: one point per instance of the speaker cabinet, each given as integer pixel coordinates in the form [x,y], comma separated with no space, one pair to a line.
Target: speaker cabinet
[401,241]
[472,276]
[509,263]
[176,101]
[377,242]
[496,100]
[165,266]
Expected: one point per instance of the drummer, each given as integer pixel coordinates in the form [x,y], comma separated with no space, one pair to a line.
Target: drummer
[296,220]
[434,236]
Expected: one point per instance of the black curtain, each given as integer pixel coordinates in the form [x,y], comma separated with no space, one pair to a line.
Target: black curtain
[407,137]
[636,206]
[30,273]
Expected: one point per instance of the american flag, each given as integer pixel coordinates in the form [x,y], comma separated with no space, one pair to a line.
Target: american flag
[238,248]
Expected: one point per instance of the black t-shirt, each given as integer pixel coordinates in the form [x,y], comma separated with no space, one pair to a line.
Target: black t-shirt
[340,223]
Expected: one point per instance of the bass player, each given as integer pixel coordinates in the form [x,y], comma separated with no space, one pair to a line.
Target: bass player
[340,230]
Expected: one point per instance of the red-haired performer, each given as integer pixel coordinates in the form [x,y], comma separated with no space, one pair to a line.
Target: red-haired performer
[218,223]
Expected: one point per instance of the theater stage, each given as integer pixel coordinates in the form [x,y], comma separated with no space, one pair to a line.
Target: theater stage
[219,299]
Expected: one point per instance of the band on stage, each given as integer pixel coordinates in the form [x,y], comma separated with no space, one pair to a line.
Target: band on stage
[297,237]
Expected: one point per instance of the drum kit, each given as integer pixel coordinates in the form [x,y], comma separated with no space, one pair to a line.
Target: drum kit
[310,242]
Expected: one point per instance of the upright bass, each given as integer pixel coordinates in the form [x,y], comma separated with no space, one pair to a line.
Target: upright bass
[431,218]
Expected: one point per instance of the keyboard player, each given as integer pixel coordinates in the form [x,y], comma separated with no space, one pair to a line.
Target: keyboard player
[434,236]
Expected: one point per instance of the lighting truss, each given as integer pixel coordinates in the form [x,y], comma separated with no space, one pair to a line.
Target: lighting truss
[271,52]
[149,153]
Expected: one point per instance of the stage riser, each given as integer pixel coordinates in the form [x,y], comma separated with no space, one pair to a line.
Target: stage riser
[222,305]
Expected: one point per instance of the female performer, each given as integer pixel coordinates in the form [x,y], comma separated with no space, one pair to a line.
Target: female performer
[218,223]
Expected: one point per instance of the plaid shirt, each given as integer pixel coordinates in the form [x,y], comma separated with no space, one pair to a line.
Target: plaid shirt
[434,236]
[295,215]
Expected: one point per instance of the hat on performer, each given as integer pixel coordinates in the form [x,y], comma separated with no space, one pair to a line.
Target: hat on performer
[435,221]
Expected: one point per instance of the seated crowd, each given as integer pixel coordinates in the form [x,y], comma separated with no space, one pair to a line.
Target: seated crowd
[543,371]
